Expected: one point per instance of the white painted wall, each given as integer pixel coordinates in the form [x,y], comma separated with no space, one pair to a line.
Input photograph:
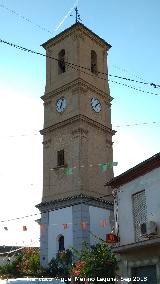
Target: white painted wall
[96,216]
[56,220]
[64,216]
[149,182]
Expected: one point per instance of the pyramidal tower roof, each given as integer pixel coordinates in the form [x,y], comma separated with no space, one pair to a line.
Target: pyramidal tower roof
[77,26]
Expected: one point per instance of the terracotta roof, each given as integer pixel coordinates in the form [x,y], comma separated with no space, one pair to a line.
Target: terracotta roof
[72,27]
[139,170]
[5,249]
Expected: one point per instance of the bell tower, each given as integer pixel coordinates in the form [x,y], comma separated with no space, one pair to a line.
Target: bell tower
[77,138]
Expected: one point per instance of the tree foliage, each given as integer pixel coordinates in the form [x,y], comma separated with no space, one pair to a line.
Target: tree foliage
[92,262]
[60,265]
[26,263]
[95,262]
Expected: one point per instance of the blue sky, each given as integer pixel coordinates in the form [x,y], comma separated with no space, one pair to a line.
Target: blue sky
[132,28]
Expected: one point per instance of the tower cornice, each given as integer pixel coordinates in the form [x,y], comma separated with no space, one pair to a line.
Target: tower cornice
[78,84]
[81,118]
[73,200]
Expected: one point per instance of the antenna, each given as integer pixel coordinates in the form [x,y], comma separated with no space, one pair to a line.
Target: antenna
[77,15]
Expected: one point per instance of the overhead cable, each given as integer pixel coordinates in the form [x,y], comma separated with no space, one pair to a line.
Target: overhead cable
[24,18]
[31,215]
[119,126]
[75,66]
[139,90]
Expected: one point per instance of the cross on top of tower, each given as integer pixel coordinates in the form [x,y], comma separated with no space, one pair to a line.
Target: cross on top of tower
[77,15]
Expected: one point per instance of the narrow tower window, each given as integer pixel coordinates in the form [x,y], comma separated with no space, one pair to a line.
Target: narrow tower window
[93,62]
[61,243]
[60,158]
[61,62]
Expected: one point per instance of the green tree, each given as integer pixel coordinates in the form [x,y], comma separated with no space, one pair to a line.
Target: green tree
[26,263]
[60,265]
[96,262]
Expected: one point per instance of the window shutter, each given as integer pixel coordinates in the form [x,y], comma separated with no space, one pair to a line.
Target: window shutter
[139,213]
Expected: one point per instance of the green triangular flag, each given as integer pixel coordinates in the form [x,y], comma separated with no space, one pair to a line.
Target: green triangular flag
[110,165]
[103,167]
[68,171]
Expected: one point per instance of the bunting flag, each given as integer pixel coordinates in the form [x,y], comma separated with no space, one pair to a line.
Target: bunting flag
[110,165]
[84,225]
[42,227]
[103,223]
[65,226]
[105,166]
[68,171]
[24,228]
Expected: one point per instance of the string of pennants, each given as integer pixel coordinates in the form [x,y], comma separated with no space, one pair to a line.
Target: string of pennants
[83,225]
[103,167]
[24,228]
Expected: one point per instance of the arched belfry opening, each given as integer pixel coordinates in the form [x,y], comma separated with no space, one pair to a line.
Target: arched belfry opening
[93,62]
[61,62]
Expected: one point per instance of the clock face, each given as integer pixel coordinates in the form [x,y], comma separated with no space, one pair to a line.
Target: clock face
[95,103]
[61,104]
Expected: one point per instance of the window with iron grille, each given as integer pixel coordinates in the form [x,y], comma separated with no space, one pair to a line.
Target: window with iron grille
[60,158]
[139,213]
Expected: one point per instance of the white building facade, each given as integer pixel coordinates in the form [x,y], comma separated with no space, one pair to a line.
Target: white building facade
[137,210]
[86,219]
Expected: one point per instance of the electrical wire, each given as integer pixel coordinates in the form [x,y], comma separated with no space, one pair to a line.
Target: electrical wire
[138,124]
[75,66]
[42,28]
[31,215]
[24,18]
[66,16]
[20,135]
[135,81]
[114,126]
[19,218]
[37,25]
[139,90]
[126,71]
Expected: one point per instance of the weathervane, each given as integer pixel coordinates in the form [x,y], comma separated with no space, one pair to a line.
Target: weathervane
[77,15]
[78,19]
